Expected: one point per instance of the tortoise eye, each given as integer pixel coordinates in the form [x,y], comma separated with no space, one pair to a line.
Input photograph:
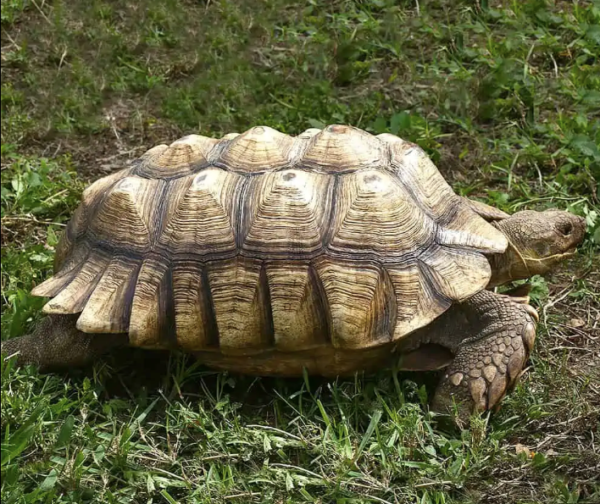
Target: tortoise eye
[565,228]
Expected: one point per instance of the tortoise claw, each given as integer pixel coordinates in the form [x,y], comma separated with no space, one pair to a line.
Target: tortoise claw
[533,312]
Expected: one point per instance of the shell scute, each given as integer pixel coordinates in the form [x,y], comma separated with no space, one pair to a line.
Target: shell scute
[287,212]
[338,148]
[152,312]
[131,202]
[73,297]
[374,214]
[360,301]
[183,157]
[239,291]
[257,150]
[200,217]
[108,308]
[300,318]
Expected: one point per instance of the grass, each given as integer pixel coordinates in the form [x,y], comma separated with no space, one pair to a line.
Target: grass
[505,97]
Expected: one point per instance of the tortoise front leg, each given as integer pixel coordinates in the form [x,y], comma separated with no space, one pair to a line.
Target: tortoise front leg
[56,343]
[500,334]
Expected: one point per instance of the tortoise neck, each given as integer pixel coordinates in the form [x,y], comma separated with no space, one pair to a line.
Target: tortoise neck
[509,265]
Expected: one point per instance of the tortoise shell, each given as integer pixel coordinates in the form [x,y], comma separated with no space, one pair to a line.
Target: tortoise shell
[261,241]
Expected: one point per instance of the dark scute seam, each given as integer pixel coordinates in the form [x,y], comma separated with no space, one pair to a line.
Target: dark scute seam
[166,305]
[266,307]
[324,311]
[390,314]
[328,235]
[159,214]
[432,285]
[129,294]
[240,223]
[212,329]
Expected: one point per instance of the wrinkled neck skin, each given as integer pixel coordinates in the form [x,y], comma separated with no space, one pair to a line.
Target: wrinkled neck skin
[511,265]
[507,267]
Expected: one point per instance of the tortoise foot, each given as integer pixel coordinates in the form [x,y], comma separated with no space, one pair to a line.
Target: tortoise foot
[489,364]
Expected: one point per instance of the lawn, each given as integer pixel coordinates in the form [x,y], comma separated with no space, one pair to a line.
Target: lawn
[505,98]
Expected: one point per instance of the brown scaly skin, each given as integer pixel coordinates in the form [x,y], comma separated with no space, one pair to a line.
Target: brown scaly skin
[490,335]
[496,335]
[56,343]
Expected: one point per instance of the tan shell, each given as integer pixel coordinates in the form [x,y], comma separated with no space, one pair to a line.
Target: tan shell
[262,241]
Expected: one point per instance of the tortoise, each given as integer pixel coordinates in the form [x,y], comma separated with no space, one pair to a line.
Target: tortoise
[331,252]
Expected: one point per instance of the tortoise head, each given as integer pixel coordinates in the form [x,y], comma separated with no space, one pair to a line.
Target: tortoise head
[537,241]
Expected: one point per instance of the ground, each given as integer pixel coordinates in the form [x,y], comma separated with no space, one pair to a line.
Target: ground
[505,97]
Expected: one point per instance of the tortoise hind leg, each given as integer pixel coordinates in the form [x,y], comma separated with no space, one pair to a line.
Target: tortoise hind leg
[56,343]
[500,334]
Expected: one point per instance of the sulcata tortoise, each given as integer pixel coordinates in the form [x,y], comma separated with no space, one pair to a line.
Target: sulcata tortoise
[332,252]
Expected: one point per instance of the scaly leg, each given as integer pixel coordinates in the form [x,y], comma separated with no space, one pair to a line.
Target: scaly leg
[56,343]
[497,341]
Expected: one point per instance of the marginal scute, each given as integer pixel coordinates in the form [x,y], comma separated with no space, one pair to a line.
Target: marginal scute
[466,229]
[258,149]
[152,307]
[360,300]
[489,213]
[182,157]
[73,297]
[374,214]
[458,274]
[338,148]
[239,289]
[417,301]
[69,267]
[458,224]
[299,311]
[200,213]
[192,312]
[108,308]
[287,212]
